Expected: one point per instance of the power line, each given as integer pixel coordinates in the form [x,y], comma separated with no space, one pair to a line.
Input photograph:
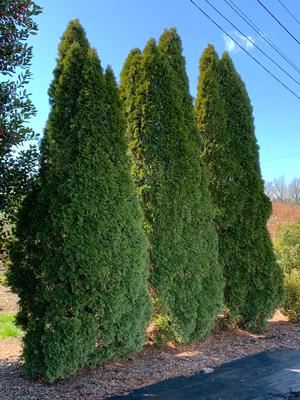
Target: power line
[242,48]
[277,20]
[244,17]
[280,157]
[253,43]
[289,12]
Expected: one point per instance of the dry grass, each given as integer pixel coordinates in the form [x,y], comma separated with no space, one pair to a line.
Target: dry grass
[282,214]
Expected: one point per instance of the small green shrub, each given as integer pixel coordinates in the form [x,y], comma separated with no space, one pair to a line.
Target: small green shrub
[165,331]
[287,247]
[291,306]
[8,327]
[3,281]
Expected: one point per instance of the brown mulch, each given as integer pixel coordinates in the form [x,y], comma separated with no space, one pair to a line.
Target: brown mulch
[150,366]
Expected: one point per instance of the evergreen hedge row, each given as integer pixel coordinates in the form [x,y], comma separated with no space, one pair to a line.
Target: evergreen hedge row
[99,225]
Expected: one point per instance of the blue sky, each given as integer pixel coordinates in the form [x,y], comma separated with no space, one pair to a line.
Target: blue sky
[114,27]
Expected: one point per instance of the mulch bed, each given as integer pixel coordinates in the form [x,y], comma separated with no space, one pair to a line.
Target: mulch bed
[150,366]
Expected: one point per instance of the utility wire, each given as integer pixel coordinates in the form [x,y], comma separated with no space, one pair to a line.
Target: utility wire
[280,157]
[247,52]
[244,17]
[277,20]
[289,12]
[253,43]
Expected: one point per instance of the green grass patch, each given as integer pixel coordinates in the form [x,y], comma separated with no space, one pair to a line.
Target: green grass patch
[8,328]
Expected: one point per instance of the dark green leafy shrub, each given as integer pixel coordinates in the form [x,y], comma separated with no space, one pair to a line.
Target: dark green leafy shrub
[17,162]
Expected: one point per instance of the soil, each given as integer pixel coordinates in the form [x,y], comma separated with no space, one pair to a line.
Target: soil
[8,300]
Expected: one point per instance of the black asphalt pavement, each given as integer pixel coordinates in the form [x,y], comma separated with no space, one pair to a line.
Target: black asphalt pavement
[270,375]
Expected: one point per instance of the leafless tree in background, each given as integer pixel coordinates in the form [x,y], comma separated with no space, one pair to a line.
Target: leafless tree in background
[280,190]
[294,190]
[277,189]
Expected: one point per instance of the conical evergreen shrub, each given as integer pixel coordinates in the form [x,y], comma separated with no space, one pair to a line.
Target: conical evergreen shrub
[253,280]
[91,301]
[265,281]
[171,47]
[184,273]
[34,221]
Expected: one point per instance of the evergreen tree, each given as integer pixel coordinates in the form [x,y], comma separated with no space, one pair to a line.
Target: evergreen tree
[265,281]
[253,285]
[34,218]
[34,210]
[222,168]
[173,191]
[171,47]
[90,300]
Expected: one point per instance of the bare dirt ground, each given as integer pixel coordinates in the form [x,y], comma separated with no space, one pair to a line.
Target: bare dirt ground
[10,349]
[8,300]
[150,366]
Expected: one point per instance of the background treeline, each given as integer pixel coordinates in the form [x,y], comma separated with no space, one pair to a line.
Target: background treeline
[280,190]
[147,210]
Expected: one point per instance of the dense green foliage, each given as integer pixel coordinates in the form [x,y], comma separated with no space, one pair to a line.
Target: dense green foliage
[253,279]
[287,247]
[186,278]
[171,47]
[16,166]
[80,258]
[291,306]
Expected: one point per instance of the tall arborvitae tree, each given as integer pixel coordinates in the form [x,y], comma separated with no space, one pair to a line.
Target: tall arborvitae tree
[222,168]
[265,285]
[173,191]
[224,114]
[35,207]
[87,252]
[171,47]
[126,297]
